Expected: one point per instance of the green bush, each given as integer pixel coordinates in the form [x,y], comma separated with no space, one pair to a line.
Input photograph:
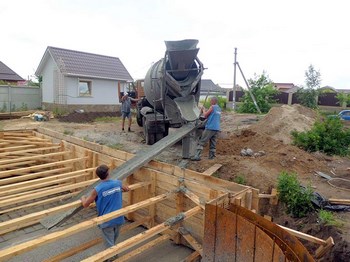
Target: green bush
[264,93]
[327,218]
[222,101]
[328,136]
[296,198]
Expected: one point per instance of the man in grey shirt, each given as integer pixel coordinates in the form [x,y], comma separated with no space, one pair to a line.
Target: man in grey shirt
[126,109]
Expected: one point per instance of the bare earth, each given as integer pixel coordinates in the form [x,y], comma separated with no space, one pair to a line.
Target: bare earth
[269,135]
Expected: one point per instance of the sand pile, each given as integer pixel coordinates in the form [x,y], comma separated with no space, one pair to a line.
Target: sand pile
[280,121]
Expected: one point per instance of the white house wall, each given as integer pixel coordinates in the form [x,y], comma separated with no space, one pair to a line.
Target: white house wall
[48,81]
[104,92]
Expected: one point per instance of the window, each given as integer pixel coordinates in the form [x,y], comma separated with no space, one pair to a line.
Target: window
[84,88]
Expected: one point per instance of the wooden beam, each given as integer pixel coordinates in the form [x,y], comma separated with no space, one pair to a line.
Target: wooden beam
[18,164]
[33,181]
[192,196]
[30,150]
[211,170]
[41,202]
[304,236]
[191,240]
[144,248]
[323,249]
[41,156]
[11,180]
[4,174]
[52,191]
[131,242]
[14,148]
[91,243]
[51,181]
[339,201]
[193,257]
[12,251]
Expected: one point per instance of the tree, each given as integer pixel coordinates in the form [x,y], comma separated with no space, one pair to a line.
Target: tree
[263,91]
[312,77]
[307,96]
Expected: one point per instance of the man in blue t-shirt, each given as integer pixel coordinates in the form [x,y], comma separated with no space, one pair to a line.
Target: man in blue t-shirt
[212,128]
[108,198]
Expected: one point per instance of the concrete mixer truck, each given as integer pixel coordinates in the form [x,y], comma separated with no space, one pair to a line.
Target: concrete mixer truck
[171,90]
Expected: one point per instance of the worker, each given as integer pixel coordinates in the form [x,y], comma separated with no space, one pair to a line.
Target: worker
[126,109]
[211,130]
[108,198]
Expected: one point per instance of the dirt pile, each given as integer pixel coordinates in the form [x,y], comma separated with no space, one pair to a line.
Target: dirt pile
[85,117]
[261,171]
[280,121]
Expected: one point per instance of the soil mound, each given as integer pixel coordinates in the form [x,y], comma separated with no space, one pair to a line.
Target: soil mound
[87,117]
[261,171]
[280,121]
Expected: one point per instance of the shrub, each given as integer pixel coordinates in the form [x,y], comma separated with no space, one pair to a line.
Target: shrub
[328,136]
[296,198]
[327,218]
[264,93]
[222,101]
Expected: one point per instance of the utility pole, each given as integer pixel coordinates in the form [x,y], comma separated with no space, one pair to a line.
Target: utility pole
[234,81]
[246,82]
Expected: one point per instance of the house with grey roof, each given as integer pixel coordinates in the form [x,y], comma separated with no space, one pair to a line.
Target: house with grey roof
[78,80]
[9,76]
[209,88]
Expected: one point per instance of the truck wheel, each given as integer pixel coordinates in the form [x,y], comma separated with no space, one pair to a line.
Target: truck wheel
[139,118]
[149,137]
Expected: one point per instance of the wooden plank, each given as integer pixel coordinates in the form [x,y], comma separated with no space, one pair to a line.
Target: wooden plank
[14,148]
[19,164]
[304,236]
[91,243]
[264,246]
[40,184]
[41,202]
[192,196]
[144,248]
[4,174]
[131,242]
[41,156]
[30,150]
[193,257]
[339,201]
[52,191]
[211,170]
[11,180]
[191,240]
[12,251]
[209,238]
[75,250]
[33,181]
[323,249]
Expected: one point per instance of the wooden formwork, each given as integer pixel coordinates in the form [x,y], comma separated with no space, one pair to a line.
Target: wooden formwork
[39,167]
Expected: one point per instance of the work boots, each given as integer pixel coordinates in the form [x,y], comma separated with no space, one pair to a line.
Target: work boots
[197,156]
[211,155]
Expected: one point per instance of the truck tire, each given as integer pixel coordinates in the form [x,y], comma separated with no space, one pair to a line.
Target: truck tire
[139,117]
[150,138]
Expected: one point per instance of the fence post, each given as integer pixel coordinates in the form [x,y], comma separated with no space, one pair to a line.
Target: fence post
[290,98]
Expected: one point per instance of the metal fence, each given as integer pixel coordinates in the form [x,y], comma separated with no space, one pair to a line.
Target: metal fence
[19,98]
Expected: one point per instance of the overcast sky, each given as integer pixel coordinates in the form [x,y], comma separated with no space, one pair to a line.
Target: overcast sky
[279,37]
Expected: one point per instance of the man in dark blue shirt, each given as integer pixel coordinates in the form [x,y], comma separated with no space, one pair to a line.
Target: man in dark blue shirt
[108,198]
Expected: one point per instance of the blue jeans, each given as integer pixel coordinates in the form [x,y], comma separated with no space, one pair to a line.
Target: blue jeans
[110,235]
